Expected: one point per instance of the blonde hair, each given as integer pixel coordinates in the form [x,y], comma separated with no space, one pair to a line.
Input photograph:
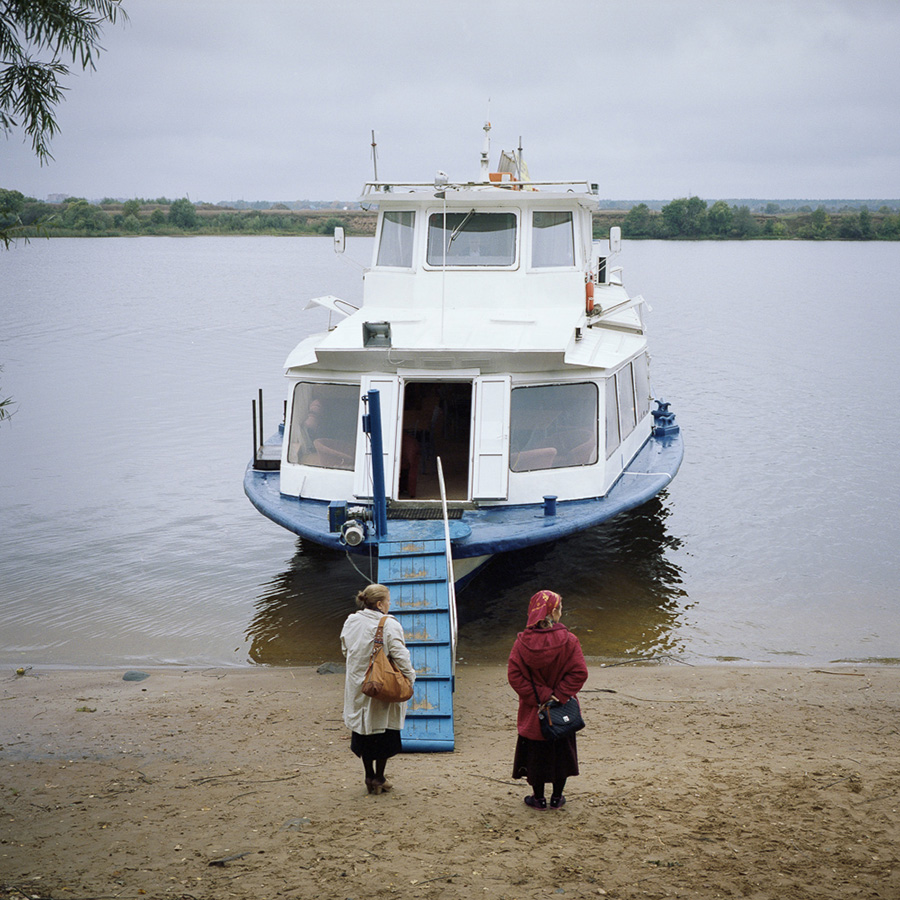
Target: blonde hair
[371,596]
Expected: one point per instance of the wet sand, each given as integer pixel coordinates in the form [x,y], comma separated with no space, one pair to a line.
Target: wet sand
[695,782]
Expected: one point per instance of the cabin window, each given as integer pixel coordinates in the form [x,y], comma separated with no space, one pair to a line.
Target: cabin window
[472,239]
[627,401]
[612,417]
[627,408]
[395,249]
[552,240]
[553,426]
[324,421]
[642,385]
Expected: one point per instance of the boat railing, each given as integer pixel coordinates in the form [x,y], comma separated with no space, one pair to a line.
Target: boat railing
[451,581]
[390,187]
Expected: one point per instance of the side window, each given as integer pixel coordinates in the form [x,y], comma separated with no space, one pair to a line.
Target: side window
[395,248]
[553,426]
[472,239]
[612,417]
[324,425]
[627,409]
[552,240]
[642,385]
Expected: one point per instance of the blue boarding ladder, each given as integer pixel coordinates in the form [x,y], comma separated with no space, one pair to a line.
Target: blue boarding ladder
[419,573]
[418,570]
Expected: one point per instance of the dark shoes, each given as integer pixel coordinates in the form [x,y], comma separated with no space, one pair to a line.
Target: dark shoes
[378,785]
[540,803]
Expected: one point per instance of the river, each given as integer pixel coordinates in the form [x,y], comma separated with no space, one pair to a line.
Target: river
[125,537]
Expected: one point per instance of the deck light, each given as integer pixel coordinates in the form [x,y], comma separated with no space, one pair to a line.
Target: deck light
[376,334]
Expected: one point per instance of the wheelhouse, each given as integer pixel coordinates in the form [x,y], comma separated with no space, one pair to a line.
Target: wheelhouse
[477,331]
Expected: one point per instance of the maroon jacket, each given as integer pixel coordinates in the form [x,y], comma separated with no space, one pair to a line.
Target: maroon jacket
[553,658]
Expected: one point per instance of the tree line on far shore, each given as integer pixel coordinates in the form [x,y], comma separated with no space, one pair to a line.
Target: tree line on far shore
[76,217]
[686,218]
[690,218]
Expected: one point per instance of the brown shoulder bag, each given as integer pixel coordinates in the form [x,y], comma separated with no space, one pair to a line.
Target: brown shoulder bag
[383,680]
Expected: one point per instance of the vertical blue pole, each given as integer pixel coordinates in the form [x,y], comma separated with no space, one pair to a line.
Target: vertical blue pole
[379,500]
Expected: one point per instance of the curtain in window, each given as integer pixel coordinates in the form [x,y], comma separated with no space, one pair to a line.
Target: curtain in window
[552,240]
[396,245]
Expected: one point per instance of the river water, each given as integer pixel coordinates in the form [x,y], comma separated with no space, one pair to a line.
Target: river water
[126,540]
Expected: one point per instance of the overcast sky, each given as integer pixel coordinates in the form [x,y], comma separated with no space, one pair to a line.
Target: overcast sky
[653,99]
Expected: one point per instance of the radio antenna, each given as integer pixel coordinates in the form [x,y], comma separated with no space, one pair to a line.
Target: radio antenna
[374,156]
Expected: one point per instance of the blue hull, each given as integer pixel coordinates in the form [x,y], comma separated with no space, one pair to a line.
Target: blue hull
[490,529]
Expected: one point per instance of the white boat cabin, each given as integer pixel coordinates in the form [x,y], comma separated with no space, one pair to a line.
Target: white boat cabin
[500,340]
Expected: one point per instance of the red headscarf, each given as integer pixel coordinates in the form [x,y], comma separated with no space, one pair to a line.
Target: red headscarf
[541,605]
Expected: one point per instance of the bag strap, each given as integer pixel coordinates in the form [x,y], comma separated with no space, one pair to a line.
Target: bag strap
[534,687]
[536,697]
[379,639]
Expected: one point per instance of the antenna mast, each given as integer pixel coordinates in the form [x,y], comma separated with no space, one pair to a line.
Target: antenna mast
[485,153]
[374,155]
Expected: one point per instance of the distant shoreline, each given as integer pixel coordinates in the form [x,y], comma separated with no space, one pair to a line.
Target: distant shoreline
[681,219]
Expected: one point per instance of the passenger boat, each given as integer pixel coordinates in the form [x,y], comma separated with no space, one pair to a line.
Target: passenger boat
[508,366]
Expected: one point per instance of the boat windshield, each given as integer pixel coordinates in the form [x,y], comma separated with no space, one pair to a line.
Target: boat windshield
[472,239]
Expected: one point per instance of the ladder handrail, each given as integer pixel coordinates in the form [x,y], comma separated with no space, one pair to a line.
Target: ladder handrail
[451,585]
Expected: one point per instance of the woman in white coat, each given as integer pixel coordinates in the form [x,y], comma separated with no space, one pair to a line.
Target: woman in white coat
[375,724]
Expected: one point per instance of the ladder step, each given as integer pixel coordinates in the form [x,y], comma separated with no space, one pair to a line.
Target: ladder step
[419,596]
[411,570]
[404,548]
[428,736]
[431,697]
[425,627]
[431,659]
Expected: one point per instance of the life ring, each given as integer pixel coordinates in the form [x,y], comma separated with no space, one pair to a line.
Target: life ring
[589,296]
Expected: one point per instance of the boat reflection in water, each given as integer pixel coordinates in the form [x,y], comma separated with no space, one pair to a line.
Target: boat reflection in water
[623,596]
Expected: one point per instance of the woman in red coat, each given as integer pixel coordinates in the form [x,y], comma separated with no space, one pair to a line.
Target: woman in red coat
[545,663]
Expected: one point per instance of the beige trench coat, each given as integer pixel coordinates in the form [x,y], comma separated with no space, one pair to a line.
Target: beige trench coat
[363,714]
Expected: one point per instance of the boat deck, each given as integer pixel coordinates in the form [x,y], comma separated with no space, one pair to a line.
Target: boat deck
[486,529]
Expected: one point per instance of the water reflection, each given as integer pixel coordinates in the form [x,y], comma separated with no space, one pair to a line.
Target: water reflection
[299,614]
[623,596]
[622,593]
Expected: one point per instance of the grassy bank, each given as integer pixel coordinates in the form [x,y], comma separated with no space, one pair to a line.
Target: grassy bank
[682,219]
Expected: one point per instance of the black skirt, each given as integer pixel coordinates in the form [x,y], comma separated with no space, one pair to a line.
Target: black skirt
[540,762]
[376,746]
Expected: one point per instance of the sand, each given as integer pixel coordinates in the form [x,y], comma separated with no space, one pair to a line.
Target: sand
[695,782]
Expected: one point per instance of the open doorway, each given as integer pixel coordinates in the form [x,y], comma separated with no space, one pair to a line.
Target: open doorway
[437,419]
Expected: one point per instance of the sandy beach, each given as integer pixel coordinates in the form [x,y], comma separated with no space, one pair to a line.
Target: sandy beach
[695,782]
